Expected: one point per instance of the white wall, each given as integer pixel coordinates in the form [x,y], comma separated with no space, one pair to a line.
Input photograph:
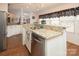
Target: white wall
[36,17]
[77,24]
[73,37]
[4,7]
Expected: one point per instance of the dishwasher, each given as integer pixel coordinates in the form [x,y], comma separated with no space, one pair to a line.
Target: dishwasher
[37,45]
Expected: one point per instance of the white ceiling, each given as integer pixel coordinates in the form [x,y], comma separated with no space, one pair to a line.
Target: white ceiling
[30,7]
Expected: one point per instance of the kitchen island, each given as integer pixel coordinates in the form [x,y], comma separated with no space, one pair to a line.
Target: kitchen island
[45,41]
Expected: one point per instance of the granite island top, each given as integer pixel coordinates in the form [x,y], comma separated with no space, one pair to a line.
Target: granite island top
[45,33]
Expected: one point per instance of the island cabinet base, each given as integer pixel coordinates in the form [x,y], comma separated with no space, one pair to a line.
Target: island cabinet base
[44,42]
[56,46]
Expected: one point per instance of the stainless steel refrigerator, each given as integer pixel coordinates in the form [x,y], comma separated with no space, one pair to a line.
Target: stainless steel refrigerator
[3,33]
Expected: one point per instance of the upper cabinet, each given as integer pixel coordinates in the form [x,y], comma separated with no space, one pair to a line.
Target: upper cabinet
[4,7]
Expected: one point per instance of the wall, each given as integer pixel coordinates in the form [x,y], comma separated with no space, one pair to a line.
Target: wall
[73,37]
[4,7]
[36,17]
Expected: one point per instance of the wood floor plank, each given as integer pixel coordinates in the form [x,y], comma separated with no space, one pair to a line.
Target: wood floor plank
[72,49]
[15,47]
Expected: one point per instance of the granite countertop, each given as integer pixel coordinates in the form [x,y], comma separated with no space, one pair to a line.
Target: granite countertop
[45,33]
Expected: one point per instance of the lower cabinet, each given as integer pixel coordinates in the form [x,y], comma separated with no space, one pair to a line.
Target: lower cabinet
[48,47]
[39,46]
[13,30]
[27,38]
[56,46]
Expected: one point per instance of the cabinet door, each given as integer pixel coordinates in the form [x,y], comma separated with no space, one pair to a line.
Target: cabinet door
[28,40]
[56,46]
[23,36]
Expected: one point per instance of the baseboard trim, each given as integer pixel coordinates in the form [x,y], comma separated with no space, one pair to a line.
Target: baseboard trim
[14,35]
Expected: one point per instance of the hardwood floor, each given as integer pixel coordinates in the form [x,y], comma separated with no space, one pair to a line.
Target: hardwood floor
[72,49]
[15,47]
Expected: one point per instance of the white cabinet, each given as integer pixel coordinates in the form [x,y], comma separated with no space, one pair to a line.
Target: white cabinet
[51,47]
[27,38]
[13,30]
[23,35]
[56,46]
